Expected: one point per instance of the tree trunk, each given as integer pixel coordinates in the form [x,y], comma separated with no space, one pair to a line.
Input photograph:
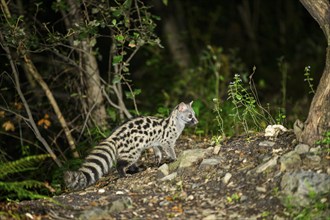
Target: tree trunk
[318,120]
[90,74]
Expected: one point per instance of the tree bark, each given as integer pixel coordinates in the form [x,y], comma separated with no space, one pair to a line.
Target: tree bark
[318,120]
[90,74]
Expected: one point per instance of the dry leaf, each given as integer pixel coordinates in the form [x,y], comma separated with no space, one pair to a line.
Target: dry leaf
[18,105]
[2,114]
[177,209]
[8,126]
[45,122]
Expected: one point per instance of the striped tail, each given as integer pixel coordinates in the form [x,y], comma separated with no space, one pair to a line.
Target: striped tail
[96,165]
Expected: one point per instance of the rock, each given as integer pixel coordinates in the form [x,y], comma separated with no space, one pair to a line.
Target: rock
[226,178]
[301,148]
[162,171]
[243,198]
[169,177]
[209,163]
[267,166]
[261,189]
[300,185]
[274,130]
[217,149]
[290,161]
[312,160]
[210,217]
[103,212]
[189,157]
[266,144]
[298,127]
[315,149]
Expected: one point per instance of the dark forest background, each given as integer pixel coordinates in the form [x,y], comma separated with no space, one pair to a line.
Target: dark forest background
[148,56]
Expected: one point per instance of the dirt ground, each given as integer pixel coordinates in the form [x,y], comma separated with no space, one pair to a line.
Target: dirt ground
[197,192]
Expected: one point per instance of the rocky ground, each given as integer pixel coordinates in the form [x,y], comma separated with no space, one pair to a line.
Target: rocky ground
[245,177]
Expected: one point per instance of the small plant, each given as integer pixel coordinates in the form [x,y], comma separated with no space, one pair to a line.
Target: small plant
[20,189]
[280,117]
[218,118]
[309,79]
[246,111]
[326,139]
[235,197]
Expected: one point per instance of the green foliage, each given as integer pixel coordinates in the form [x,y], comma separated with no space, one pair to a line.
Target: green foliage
[325,140]
[246,109]
[20,189]
[316,210]
[21,165]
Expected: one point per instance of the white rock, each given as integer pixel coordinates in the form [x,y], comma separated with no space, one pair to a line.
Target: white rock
[169,177]
[266,144]
[226,178]
[28,215]
[217,149]
[261,189]
[162,171]
[101,191]
[274,130]
[210,217]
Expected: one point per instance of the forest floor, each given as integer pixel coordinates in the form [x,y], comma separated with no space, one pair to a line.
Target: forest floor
[222,183]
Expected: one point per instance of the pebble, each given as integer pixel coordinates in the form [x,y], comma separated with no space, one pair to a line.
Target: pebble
[261,189]
[209,163]
[162,171]
[243,198]
[101,191]
[169,177]
[267,165]
[217,149]
[266,144]
[190,197]
[226,178]
[210,217]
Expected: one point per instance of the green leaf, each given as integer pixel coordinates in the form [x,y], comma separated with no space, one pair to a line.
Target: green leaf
[116,79]
[165,2]
[114,21]
[120,38]
[117,59]
[131,95]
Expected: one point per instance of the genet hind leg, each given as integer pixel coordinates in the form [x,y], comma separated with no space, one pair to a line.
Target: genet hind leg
[121,166]
[158,154]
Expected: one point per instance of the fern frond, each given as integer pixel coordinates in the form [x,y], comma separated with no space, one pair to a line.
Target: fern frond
[21,165]
[21,190]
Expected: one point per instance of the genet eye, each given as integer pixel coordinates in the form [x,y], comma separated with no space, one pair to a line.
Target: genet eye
[190,116]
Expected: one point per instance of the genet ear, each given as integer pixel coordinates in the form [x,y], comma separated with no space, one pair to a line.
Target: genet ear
[182,107]
[191,103]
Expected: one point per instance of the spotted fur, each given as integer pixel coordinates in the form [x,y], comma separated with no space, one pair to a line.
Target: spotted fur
[125,145]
